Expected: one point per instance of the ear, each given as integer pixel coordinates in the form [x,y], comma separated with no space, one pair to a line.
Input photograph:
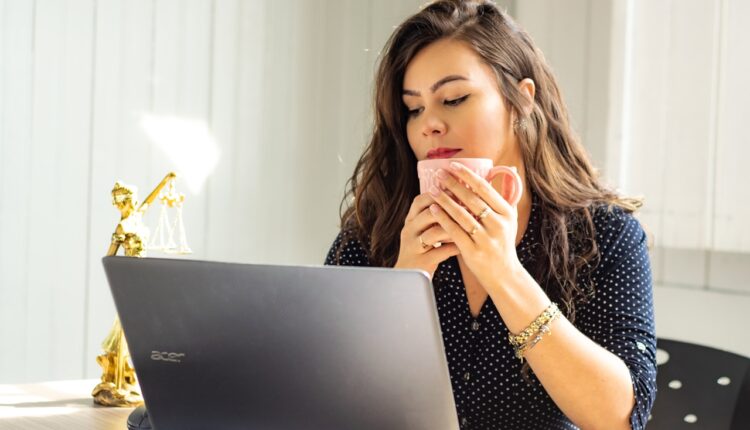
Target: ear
[528,89]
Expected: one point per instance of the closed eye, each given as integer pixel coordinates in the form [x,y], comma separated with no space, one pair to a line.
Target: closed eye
[456,102]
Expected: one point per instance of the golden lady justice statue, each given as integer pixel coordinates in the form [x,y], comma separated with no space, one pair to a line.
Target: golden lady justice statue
[118,386]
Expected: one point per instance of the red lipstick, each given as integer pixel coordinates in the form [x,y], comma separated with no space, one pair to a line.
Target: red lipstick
[442,153]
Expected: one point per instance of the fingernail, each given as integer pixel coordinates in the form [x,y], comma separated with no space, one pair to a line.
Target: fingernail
[442,174]
[456,166]
[434,191]
[434,208]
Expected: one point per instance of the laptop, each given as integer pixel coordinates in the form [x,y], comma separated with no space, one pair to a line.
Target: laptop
[243,346]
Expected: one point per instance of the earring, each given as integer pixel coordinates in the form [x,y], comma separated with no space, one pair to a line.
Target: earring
[519,124]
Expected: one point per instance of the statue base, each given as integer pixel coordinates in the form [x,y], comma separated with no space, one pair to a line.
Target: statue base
[106,394]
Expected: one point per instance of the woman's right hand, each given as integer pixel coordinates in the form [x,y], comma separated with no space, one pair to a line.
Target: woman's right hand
[421,224]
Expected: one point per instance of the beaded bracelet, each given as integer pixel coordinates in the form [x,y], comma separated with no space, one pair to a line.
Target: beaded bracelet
[544,318]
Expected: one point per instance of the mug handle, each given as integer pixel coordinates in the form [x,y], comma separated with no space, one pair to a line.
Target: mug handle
[517,189]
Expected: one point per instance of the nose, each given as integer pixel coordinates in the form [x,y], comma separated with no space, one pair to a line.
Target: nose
[433,126]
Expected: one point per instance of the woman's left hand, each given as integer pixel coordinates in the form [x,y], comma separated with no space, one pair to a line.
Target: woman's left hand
[484,228]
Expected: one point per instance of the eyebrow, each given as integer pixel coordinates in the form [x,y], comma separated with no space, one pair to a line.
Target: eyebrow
[436,85]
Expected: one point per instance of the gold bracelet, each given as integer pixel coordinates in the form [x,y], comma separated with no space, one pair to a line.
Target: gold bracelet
[544,329]
[545,317]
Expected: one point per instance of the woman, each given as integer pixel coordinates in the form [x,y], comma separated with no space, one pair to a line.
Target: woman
[461,79]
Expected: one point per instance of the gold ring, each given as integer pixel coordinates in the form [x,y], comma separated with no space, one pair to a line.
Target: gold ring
[473,231]
[421,242]
[484,213]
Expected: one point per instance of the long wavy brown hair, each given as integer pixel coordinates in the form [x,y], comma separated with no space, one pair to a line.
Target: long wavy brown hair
[558,171]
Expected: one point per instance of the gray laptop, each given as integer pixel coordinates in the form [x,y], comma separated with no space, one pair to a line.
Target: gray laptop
[240,346]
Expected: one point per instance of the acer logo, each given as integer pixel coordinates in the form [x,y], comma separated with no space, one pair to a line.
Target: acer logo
[175,357]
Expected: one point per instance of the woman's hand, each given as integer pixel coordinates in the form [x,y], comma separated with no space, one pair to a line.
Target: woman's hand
[424,243]
[484,228]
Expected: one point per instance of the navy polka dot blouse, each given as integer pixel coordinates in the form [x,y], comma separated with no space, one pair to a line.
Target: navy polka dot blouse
[488,387]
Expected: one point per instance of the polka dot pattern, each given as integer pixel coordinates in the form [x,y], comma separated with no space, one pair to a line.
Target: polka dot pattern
[488,388]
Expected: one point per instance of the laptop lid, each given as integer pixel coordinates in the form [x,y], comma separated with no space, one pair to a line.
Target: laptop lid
[241,346]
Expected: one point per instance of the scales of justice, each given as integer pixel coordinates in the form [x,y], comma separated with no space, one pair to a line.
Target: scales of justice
[118,386]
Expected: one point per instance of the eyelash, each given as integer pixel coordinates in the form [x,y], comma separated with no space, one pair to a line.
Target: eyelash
[451,103]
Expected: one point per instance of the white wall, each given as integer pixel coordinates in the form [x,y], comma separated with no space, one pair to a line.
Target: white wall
[283,87]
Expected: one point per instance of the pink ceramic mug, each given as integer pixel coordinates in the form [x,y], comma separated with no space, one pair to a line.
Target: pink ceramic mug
[427,173]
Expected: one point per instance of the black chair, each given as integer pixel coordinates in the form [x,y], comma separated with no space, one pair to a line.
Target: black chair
[701,388]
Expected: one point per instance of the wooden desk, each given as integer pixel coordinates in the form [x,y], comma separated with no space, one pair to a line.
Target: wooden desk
[57,405]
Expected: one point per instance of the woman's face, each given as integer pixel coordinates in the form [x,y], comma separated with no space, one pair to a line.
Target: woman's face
[455,106]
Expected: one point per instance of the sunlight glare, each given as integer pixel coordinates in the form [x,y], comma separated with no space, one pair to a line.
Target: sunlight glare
[187,143]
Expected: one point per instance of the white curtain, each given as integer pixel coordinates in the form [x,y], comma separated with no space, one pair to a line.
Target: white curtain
[683,141]
[263,106]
